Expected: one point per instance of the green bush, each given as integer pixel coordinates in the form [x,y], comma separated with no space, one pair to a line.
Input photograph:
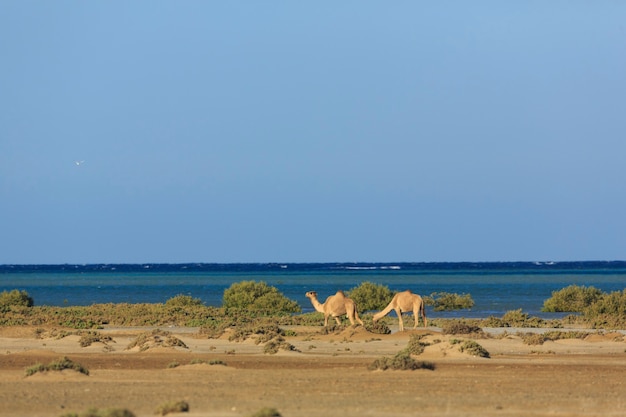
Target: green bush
[369,296]
[258,297]
[609,311]
[445,301]
[183,301]
[574,298]
[15,298]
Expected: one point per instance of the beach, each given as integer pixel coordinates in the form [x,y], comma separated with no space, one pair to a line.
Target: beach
[322,373]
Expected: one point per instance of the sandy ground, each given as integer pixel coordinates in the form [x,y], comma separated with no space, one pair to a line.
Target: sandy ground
[328,375]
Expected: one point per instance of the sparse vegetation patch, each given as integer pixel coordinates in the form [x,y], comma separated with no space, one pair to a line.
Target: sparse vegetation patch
[106,412]
[156,338]
[462,327]
[58,365]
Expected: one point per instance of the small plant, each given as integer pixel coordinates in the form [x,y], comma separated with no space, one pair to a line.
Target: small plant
[267,412]
[472,348]
[58,365]
[172,407]
[38,367]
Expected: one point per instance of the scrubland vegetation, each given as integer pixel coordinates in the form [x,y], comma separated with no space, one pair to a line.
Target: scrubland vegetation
[248,303]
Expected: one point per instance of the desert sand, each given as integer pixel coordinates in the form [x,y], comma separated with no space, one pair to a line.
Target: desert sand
[327,375]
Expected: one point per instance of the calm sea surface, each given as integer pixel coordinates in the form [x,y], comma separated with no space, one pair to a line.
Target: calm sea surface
[495,287]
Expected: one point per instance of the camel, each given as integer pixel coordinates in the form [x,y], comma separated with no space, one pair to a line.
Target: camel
[336,305]
[402,302]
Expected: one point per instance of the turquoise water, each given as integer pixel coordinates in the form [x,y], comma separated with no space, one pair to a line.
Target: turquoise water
[495,287]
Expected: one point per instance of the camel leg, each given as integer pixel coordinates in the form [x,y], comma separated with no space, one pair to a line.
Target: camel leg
[400,322]
[338,321]
[357,318]
[416,313]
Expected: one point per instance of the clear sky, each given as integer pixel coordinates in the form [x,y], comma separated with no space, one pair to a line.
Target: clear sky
[290,131]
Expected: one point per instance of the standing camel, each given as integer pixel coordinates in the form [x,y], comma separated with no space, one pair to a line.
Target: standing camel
[336,305]
[402,302]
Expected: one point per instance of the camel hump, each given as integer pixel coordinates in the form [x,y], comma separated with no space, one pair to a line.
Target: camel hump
[340,292]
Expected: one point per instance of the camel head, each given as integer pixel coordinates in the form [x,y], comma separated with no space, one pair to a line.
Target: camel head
[311,294]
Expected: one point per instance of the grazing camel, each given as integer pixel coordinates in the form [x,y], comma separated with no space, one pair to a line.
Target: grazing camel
[402,302]
[335,305]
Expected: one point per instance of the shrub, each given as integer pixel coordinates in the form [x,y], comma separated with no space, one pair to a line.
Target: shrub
[609,311]
[445,301]
[460,327]
[571,299]
[58,365]
[156,337]
[89,337]
[474,349]
[416,346]
[402,361]
[380,327]
[369,296]
[258,297]
[172,407]
[533,338]
[15,298]
[183,301]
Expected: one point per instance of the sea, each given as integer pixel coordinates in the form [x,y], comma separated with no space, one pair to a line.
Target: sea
[495,287]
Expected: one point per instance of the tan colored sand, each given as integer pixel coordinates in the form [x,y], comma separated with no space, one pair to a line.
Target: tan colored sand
[328,376]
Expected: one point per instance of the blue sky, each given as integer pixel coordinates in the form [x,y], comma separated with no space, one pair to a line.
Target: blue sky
[312,131]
